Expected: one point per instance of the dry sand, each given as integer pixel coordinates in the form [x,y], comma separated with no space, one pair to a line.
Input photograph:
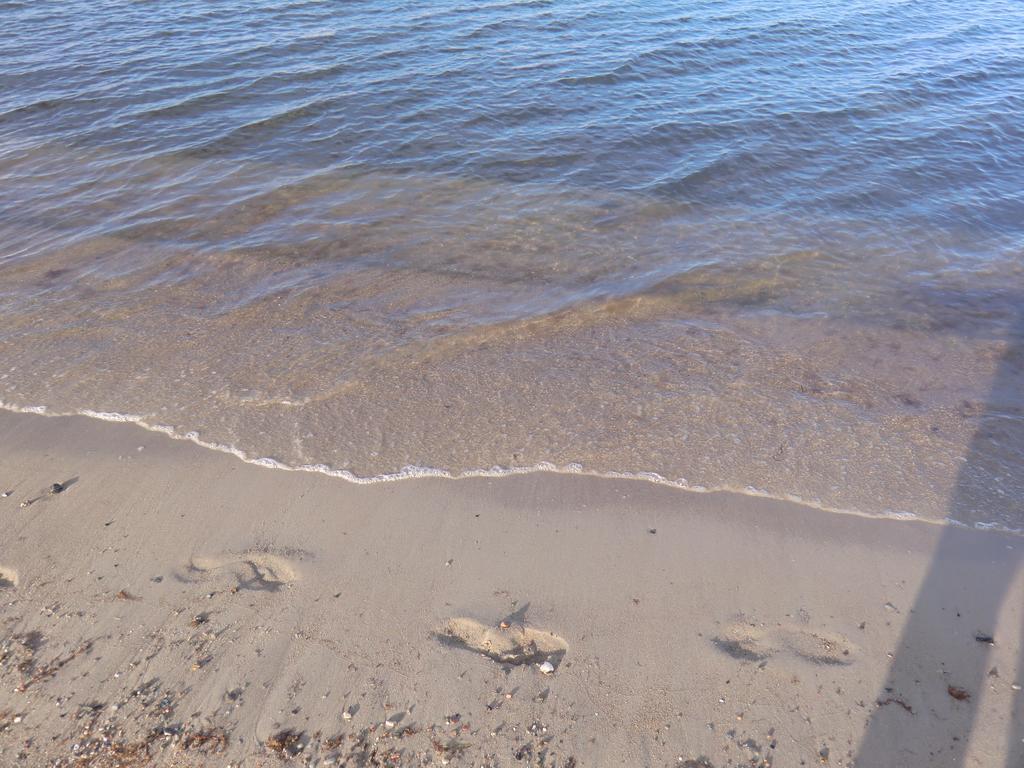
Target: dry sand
[175,606]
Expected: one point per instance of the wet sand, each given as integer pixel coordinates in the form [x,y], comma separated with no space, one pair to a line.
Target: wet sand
[171,605]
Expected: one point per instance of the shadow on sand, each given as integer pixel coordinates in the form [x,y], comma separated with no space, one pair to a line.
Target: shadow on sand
[965,588]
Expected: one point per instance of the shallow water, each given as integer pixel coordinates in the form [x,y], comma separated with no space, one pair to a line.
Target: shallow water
[764,246]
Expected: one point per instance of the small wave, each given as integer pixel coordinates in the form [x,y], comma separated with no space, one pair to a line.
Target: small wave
[413,472]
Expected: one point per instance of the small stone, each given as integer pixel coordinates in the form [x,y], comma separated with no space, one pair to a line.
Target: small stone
[346,715]
[547,668]
[56,488]
[5,494]
[1015,686]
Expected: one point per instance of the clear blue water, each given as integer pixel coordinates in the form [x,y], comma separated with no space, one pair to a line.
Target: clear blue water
[904,113]
[551,216]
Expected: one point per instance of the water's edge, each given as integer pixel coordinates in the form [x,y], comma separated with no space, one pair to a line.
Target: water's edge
[415,472]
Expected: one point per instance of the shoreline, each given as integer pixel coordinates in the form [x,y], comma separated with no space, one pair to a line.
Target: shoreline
[544,467]
[195,610]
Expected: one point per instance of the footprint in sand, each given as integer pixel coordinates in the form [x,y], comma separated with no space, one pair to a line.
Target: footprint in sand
[508,643]
[254,570]
[8,577]
[753,643]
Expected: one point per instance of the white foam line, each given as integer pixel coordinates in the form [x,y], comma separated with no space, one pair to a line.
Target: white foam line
[412,472]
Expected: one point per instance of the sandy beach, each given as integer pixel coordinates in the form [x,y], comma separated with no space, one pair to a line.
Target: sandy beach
[170,605]
[555,385]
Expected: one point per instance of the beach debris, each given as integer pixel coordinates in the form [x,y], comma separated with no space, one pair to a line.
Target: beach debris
[895,700]
[547,668]
[124,594]
[6,494]
[1015,686]
[56,488]
[32,673]
[983,638]
[347,714]
[199,619]
[7,718]
[286,743]
[958,693]
[505,624]
[207,741]
[27,503]
[652,531]
[447,750]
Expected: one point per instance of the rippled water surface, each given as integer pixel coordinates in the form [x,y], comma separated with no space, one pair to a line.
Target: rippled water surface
[753,245]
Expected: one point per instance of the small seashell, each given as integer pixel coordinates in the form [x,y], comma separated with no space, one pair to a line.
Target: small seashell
[547,668]
[346,715]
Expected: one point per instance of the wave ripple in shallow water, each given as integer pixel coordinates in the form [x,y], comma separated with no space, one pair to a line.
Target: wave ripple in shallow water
[742,245]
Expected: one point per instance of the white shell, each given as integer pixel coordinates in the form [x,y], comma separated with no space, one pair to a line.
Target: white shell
[547,668]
